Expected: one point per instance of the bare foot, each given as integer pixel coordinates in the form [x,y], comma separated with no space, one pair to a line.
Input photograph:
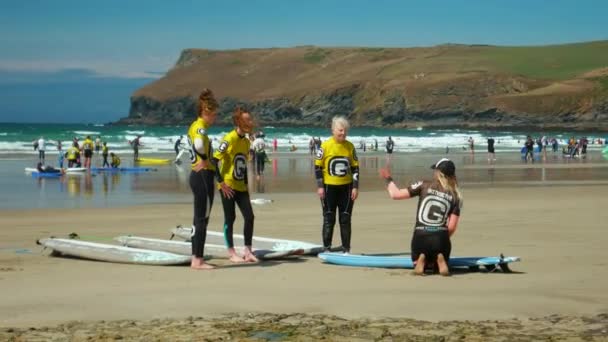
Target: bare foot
[199,264]
[235,258]
[442,265]
[250,257]
[419,269]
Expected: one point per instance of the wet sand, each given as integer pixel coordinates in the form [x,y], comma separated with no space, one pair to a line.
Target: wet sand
[558,291]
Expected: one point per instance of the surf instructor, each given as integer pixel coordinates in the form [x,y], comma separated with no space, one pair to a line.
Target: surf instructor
[438,213]
[201,176]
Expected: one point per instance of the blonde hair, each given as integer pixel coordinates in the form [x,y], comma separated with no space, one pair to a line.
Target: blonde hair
[339,121]
[449,184]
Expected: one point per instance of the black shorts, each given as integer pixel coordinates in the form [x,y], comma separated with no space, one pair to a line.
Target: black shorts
[490,149]
[431,244]
[88,153]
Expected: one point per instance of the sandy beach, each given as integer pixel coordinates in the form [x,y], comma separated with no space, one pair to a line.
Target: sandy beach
[558,289]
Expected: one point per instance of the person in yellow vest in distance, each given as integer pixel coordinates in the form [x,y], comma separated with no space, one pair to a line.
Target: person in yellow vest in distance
[104,153]
[115,160]
[88,146]
[73,155]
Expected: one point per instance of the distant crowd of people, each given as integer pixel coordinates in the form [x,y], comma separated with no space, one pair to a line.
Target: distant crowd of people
[77,154]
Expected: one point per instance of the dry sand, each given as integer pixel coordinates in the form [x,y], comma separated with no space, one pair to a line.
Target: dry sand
[558,290]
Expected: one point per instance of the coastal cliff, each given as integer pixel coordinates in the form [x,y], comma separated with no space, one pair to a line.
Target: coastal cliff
[453,86]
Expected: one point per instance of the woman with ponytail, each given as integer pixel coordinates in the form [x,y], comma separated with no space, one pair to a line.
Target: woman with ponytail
[437,216]
[201,176]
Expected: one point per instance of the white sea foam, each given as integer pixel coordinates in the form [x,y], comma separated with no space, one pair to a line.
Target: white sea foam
[135,132]
[86,132]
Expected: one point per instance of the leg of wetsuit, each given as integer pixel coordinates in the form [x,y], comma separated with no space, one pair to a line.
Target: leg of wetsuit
[209,178]
[345,209]
[259,164]
[244,203]
[329,205]
[229,217]
[201,212]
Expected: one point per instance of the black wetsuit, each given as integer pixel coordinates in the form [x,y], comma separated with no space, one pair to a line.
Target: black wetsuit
[337,197]
[176,146]
[529,149]
[389,146]
[490,145]
[240,198]
[435,206]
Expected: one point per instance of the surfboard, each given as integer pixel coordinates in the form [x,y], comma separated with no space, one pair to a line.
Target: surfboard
[112,253]
[153,161]
[122,169]
[185,248]
[360,260]
[266,243]
[68,170]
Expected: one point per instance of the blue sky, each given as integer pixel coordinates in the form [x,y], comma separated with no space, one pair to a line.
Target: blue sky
[101,51]
[130,38]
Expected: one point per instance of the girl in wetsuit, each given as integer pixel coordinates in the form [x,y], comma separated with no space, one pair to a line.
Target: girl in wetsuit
[201,176]
[230,160]
[437,216]
[337,174]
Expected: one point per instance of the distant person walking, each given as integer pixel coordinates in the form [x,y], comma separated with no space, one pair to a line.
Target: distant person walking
[275,144]
[471,143]
[41,149]
[259,146]
[390,144]
[97,144]
[87,146]
[104,153]
[529,149]
[135,143]
[491,154]
[178,143]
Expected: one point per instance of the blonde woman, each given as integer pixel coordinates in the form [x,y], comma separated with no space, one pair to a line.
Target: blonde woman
[437,216]
[337,174]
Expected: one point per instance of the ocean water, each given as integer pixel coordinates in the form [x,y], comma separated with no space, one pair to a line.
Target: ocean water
[287,172]
[18,138]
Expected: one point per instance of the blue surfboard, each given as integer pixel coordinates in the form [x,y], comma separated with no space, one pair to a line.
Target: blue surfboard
[46,174]
[359,260]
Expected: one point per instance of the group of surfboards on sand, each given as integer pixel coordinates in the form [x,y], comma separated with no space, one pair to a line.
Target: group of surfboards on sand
[337,179]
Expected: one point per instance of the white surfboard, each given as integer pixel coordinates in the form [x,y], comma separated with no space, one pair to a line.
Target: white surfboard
[267,243]
[112,253]
[185,248]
